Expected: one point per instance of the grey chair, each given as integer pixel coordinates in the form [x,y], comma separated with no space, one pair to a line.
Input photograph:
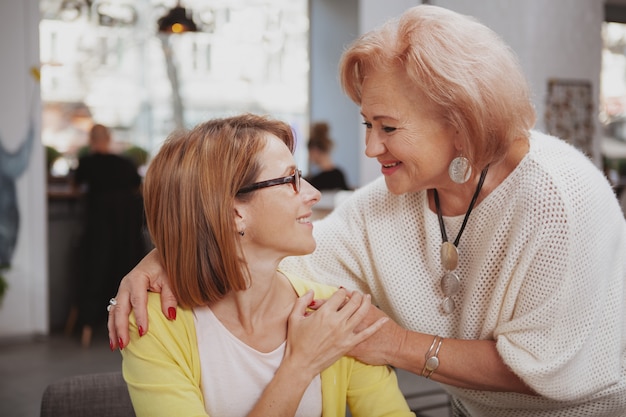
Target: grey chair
[91,395]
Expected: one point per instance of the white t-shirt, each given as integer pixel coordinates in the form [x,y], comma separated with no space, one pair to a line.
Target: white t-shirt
[234,375]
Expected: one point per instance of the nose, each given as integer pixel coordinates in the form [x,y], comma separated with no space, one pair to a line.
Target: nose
[310,194]
[374,145]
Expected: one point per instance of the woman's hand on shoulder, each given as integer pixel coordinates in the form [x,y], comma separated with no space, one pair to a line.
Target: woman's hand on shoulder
[132,295]
[315,340]
[377,349]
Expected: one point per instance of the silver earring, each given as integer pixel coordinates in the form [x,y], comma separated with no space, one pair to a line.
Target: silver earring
[242,233]
[460,169]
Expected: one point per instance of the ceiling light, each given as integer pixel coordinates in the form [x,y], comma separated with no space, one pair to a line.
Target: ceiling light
[177,21]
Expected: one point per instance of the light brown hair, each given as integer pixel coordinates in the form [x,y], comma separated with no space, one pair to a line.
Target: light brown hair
[468,75]
[319,137]
[190,190]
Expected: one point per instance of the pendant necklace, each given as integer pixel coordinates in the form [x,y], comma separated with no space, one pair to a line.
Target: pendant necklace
[450,282]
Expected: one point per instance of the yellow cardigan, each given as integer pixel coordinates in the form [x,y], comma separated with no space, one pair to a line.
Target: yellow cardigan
[162,370]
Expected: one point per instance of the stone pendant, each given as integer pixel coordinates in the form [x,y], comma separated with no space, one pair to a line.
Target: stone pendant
[449,256]
[448,305]
[450,284]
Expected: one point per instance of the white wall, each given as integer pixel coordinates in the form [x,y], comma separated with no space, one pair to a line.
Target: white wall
[333,25]
[553,39]
[24,310]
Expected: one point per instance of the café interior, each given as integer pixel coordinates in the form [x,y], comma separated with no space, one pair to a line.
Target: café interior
[118,63]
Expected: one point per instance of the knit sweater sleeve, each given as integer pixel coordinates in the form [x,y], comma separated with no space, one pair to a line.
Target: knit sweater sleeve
[560,326]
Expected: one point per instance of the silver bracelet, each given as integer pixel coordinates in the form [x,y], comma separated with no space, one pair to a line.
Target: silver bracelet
[432,360]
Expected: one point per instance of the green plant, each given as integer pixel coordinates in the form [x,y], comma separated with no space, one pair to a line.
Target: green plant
[137,154]
[51,156]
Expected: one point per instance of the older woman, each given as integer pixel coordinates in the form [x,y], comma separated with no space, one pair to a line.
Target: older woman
[498,251]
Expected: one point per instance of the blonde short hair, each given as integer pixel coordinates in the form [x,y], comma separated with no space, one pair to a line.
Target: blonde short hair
[469,76]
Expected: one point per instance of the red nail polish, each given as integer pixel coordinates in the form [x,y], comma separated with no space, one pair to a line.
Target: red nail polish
[111,345]
[121,343]
[312,303]
[141,332]
[171,313]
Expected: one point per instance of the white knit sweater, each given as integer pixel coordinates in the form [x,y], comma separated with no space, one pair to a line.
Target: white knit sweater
[542,265]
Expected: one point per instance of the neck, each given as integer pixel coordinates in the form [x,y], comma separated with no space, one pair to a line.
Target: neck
[455,198]
[268,296]
[258,316]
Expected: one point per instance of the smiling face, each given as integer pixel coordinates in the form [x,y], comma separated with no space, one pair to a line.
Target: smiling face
[413,147]
[277,220]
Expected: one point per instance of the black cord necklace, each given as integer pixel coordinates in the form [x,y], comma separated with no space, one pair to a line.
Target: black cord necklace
[450,282]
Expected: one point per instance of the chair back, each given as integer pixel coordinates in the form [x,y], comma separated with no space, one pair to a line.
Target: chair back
[91,395]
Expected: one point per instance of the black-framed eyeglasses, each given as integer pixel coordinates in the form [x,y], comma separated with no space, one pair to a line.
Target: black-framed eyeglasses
[293,179]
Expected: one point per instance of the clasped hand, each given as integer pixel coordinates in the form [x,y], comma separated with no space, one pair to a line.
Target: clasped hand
[316,340]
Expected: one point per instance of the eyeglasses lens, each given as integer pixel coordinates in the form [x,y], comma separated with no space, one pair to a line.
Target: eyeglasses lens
[296,180]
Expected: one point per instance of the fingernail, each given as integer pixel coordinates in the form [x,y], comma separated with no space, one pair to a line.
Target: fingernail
[312,303]
[121,343]
[111,345]
[342,287]
[141,332]
[171,313]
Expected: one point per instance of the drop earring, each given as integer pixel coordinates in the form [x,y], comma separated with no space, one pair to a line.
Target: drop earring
[460,169]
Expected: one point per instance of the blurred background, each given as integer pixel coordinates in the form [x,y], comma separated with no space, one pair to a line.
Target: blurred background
[119,63]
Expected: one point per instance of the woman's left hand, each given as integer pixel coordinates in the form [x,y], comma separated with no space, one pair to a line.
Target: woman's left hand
[382,346]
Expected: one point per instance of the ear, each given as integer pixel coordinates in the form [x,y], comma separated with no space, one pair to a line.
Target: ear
[239,214]
[458,142]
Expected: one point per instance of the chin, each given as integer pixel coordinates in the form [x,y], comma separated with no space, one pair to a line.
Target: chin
[304,249]
[395,187]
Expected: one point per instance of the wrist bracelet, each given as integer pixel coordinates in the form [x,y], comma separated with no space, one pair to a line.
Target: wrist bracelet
[432,360]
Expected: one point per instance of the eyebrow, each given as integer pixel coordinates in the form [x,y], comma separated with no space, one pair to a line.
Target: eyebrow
[380,117]
[289,170]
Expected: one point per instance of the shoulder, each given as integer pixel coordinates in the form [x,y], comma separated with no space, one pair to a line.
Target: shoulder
[301,286]
[556,153]
[367,197]
[560,178]
[558,164]
[184,322]
[375,203]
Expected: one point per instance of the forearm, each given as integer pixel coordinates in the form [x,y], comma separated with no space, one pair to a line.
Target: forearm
[471,364]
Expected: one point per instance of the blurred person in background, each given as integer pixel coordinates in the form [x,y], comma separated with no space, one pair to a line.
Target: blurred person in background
[325,175]
[112,240]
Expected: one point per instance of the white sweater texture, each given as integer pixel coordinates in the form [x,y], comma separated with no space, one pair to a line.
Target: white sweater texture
[542,263]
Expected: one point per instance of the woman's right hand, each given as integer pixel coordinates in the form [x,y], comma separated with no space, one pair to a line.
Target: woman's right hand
[315,340]
[148,275]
